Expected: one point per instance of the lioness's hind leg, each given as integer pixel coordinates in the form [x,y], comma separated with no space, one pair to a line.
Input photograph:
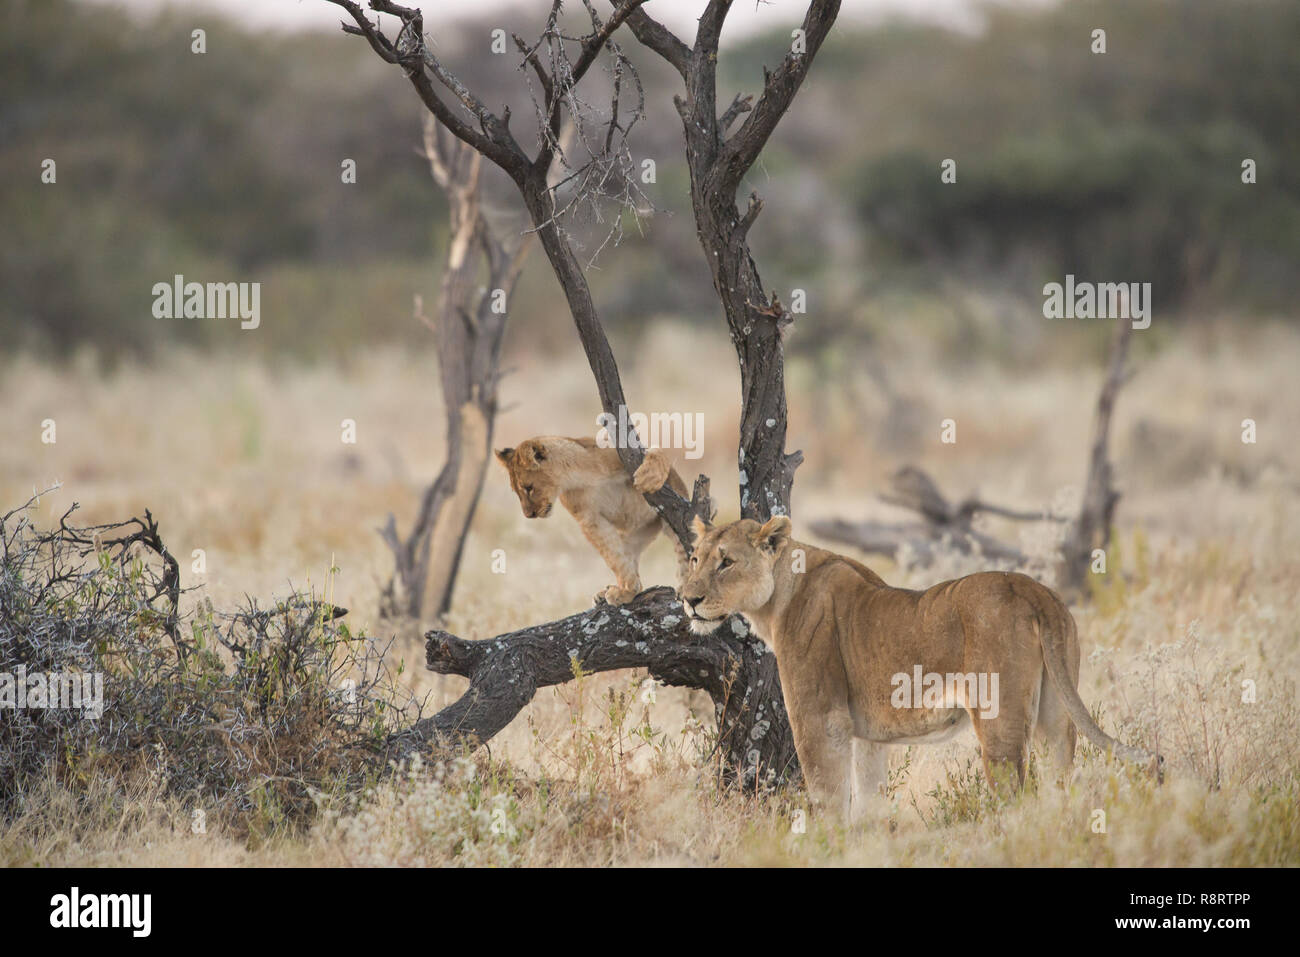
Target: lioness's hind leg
[870,775]
[1005,759]
[1004,734]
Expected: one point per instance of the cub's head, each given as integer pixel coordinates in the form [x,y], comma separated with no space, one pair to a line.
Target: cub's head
[530,477]
[731,569]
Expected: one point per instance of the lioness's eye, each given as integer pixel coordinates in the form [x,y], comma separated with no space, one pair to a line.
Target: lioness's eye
[695,560]
[725,564]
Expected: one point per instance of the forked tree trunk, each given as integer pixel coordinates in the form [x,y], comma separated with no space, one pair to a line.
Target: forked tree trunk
[754,733]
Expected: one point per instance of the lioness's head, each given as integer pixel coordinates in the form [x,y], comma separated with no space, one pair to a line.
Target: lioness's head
[530,477]
[731,569]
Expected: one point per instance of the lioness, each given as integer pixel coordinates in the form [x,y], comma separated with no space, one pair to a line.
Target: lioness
[845,643]
[591,484]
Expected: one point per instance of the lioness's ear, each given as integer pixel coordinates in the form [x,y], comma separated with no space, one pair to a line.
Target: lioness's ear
[505,455]
[773,535]
[699,527]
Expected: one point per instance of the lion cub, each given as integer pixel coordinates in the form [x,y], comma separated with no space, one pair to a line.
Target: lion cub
[591,484]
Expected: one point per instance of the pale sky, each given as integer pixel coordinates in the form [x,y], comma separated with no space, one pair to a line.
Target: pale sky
[746,16]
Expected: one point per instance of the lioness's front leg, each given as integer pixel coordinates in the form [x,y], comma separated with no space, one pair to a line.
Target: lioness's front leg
[824,742]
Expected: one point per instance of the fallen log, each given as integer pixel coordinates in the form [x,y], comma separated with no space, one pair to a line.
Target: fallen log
[944,526]
[737,670]
[925,540]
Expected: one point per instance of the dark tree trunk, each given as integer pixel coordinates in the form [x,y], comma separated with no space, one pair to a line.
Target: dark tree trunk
[718,162]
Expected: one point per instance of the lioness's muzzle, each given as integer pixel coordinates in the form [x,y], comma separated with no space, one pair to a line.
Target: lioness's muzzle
[695,615]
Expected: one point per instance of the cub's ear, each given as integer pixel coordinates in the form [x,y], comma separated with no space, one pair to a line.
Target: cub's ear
[774,534]
[505,455]
[699,527]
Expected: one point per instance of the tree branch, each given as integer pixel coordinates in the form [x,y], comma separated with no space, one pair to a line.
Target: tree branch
[741,150]
[702,84]
[564,85]
[654,36]
[740,105]
[493,138]
[756,321]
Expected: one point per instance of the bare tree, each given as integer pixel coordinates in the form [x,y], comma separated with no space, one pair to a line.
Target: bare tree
[468,325]
[1097,511]
[753,728]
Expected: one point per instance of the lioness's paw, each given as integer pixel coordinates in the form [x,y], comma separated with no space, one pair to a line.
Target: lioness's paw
[651,474]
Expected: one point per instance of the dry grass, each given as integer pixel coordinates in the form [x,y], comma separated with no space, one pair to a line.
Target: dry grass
[244,460]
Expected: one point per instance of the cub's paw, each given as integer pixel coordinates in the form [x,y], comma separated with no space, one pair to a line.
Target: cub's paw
[614,595]
[651,474]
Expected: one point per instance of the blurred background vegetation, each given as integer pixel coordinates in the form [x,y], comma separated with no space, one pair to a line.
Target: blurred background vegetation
[226,167]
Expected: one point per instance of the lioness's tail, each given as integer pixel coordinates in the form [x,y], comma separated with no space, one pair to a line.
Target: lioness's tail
[1052,636]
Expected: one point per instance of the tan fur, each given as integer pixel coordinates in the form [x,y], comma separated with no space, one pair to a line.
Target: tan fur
[840,634]
[591,484]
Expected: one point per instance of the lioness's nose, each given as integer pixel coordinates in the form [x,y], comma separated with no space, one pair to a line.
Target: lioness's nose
[692,599]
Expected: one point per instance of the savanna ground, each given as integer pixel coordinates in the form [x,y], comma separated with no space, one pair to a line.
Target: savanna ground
[1200,603]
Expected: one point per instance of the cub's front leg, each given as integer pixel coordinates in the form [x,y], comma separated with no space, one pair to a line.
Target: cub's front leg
[621,559]
[652,473]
